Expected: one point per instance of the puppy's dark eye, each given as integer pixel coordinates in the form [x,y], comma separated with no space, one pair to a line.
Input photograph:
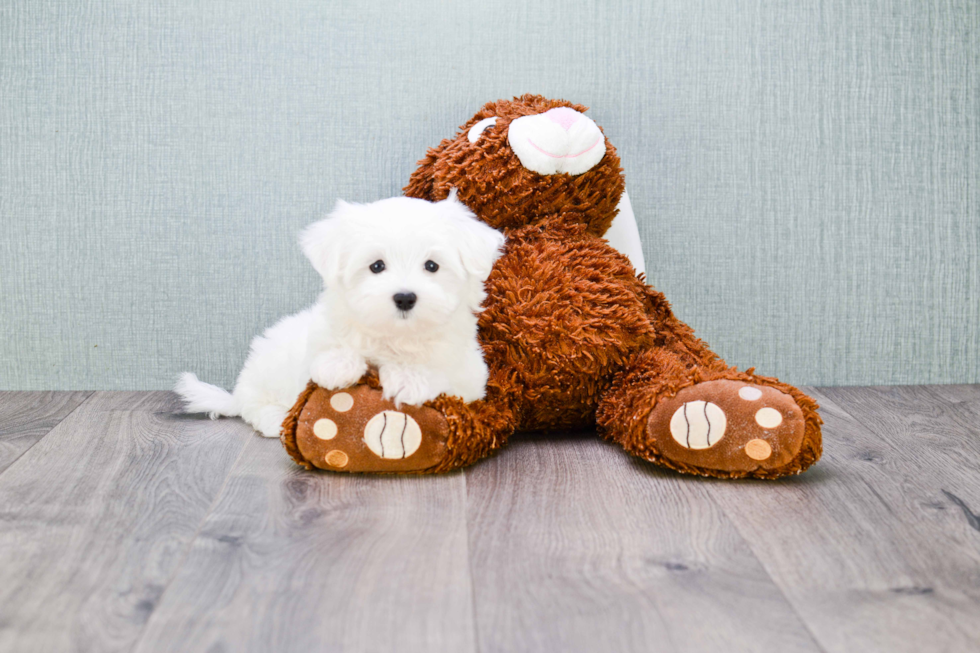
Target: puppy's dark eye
[431,266]
[377,267]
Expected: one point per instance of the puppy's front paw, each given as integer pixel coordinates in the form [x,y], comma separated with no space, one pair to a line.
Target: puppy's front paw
[403,384]
[337,368]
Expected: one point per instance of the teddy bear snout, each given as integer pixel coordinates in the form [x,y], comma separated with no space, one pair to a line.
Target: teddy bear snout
[557,141]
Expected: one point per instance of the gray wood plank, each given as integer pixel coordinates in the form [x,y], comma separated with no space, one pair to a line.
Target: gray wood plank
[937,427]
[865,544]
[962,407]
[292,560]
[933,425]
[97,516]
[26,417]
[955,394]
[576,546]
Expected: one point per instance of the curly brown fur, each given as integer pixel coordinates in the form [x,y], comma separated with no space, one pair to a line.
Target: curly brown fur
[562,315]
[571,335]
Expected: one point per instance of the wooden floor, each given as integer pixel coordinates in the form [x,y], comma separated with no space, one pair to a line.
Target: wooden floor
[126,527]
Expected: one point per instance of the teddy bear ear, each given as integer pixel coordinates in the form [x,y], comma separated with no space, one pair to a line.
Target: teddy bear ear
[421,183]
[479,244]
[322,242]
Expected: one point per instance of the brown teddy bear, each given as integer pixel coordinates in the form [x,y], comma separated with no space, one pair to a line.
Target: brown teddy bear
[572,336]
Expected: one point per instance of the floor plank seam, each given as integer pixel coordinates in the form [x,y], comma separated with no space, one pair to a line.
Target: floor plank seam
[789,601]
[972,519]
[190,544]
[775,583]
[867,426]
[91,393]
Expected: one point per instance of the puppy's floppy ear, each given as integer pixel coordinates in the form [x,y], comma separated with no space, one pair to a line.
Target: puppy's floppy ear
[322,242]
[479,244]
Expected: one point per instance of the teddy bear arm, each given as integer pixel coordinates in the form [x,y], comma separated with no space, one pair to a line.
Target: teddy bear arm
[476,430]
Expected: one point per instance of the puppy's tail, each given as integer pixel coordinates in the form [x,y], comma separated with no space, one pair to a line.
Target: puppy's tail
[201,397]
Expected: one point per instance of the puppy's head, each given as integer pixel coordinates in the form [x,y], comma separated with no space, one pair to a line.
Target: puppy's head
[403,263]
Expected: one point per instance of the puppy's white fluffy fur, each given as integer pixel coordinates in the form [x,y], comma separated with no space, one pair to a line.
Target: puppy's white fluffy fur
[420,353]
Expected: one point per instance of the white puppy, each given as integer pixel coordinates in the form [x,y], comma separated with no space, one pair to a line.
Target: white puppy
[403,283]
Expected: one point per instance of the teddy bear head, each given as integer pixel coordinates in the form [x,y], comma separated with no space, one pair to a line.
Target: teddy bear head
[523,161]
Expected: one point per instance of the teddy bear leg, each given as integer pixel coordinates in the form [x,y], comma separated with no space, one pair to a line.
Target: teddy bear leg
[357,430]
[710,420]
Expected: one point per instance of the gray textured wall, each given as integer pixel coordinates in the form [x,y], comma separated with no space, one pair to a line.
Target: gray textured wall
[805,174]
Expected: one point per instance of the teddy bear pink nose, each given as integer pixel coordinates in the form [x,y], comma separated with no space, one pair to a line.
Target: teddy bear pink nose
[563,116]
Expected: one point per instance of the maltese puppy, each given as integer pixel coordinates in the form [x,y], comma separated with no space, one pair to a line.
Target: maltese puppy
[403,283]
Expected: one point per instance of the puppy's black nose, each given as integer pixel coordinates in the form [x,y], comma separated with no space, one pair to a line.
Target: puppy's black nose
[405,301]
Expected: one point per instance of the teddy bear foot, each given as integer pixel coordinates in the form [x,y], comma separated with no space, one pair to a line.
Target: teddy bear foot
[727,428]
[356,430]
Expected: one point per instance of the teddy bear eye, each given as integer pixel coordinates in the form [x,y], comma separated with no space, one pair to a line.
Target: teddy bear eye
[477,130]
[377,267]
[431,266]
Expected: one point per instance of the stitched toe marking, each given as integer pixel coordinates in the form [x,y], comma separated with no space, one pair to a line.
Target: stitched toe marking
[392,434]
[698,424]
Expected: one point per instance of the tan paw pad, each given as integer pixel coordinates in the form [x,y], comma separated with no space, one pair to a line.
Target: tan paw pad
[758,449]
[342,402]
[768,418]
[748,393]
[325,428]
[336,458]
